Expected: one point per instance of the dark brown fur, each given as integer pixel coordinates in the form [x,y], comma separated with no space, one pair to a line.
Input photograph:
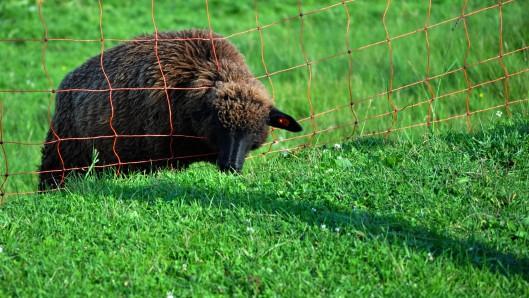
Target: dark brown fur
[233,100]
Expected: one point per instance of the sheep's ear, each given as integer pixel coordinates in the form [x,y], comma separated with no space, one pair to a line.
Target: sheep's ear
[278,119]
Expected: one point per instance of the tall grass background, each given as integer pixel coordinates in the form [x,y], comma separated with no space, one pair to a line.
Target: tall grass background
[325,76]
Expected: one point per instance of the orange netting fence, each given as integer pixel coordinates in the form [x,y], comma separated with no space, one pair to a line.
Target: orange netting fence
[348,107]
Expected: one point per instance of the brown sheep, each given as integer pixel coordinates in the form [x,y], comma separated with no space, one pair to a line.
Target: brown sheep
[223,107]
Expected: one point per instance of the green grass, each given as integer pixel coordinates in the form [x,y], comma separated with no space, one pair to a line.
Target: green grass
[444,217]
[323,34]
[431,211]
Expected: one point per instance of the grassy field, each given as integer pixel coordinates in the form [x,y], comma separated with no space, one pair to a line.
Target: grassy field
[445,217]
[321,35]
[429,211]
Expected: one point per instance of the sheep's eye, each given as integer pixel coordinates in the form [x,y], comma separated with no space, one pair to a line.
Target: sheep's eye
[283,121]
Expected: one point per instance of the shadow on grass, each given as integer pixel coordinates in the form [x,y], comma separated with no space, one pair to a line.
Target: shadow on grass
[394,230]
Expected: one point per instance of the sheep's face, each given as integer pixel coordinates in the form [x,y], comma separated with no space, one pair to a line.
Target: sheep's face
[241,123]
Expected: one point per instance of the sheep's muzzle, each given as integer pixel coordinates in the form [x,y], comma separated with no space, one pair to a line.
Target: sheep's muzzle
[232,153]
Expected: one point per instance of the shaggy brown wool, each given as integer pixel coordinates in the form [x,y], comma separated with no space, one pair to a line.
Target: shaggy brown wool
[227,104]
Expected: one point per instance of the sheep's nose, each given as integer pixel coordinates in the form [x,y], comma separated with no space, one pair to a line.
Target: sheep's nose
[229,168]
[232,152]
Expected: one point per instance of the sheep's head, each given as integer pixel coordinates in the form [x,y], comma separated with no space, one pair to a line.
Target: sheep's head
[243,113]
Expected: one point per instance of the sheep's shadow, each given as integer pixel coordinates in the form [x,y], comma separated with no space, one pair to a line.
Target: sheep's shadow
[395,230]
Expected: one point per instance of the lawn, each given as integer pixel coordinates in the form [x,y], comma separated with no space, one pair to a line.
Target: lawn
[444,217]
[430,210]
[322,36]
